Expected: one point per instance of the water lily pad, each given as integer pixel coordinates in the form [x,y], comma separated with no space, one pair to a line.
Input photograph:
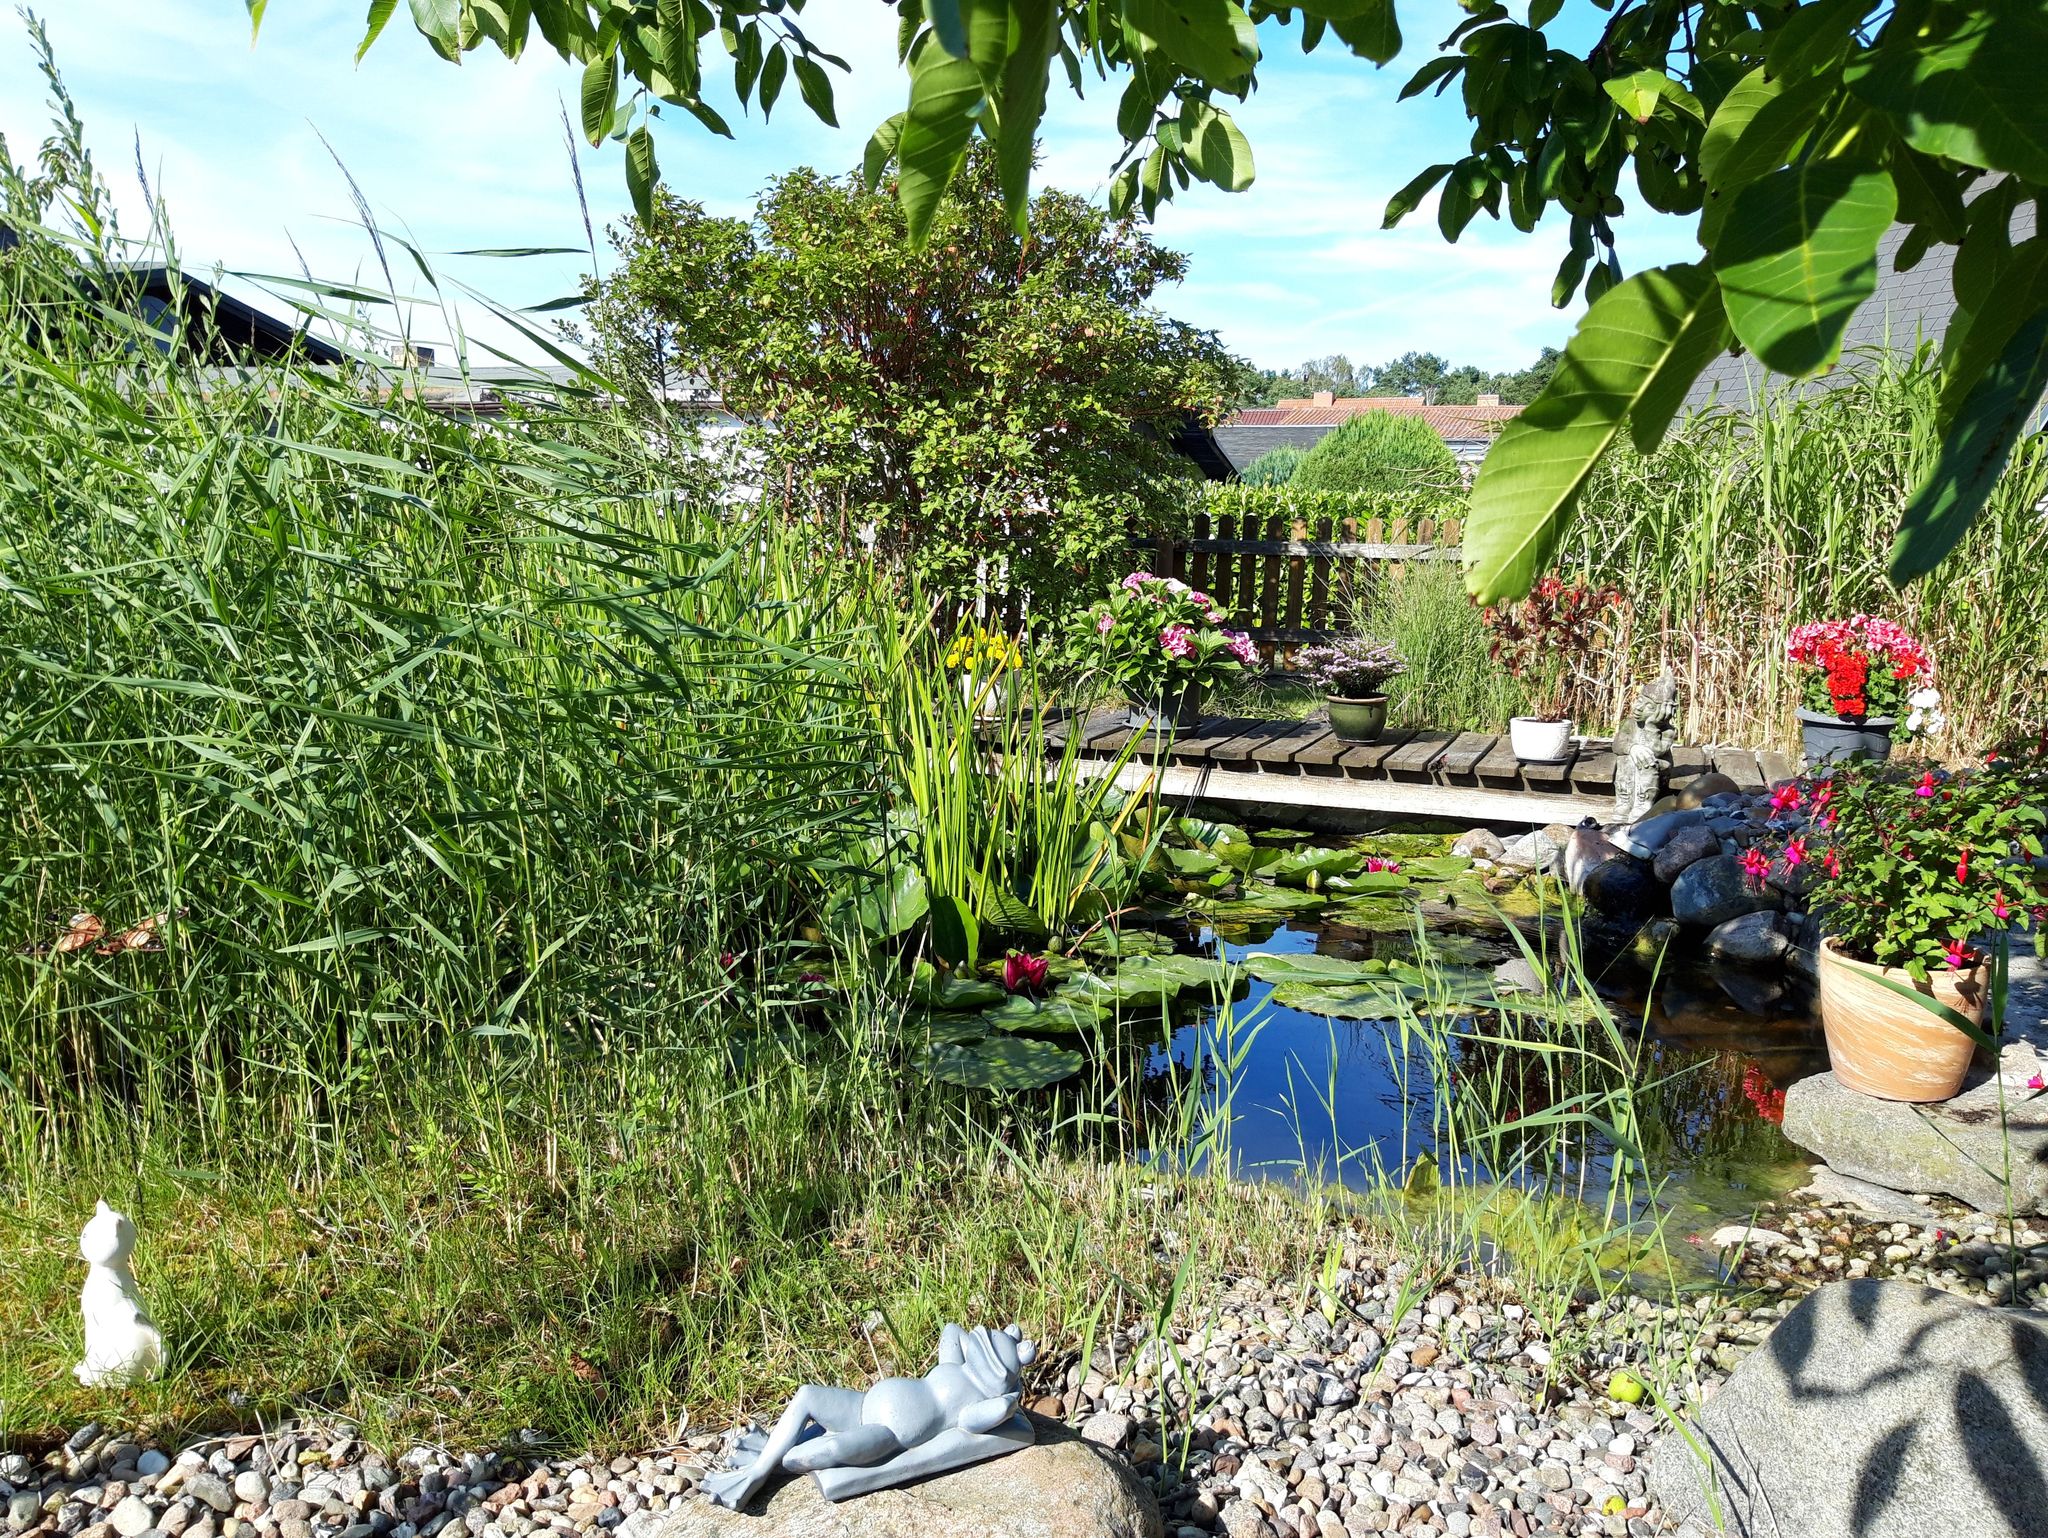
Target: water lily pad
[1005,1062]
[950,990]
[1306,867]
[954,1030]
[1262,902]
[1062,1013]
[1309,967]
[1369,883]
[1126,942]
[1439,867]
[1207,835]
[1160,978]
[1374,915]
[1188,863]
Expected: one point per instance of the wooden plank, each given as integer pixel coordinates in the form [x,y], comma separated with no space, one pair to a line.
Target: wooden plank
[1223,584]
[1238,749]
[1554,778]
[1278,753]
[1368,801]
[1320,756]
[1100,725]
[1464,753]
[1776,767]
[1593,769]
[1419,756]
[1500,766]
[1739,764]
[1200,557]
[1197,745]
[1297,575]
[1269,580]
[1371,548]
[1368,760]
[1319,583]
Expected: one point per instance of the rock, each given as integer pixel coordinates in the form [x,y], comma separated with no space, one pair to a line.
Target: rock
[1060,1487]
[131,1516]
[1875,1410]
[252,1487]
[1688,846]
[1702,788]
[1953,1149]
[1644,838]
[1515,975]
[24,1507]
[1708,893]
[1106,1428]
[152,1463]
[1623,889]
[1880,1202]
[1753,940]
[1735,1236]
[1586,848]
[1536,852]
[212,1489]
[1479,844]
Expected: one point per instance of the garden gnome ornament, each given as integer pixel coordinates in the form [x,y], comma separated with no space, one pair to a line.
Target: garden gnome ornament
[963,1411]
[1642,749]
[121,1344]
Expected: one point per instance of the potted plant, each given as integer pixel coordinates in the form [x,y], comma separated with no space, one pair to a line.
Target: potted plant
[1544,641]
[987,661]
[1162,643]
[1912,876]
[1862,675]
[1352,675]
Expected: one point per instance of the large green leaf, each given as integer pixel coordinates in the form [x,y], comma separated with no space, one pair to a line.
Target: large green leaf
[600,95]
[373,23]
[952,991]
[1974,451]
[1369,28]
[1020,100]
[1063,1013]
[1220,151]
[1636,352]
[1213,39]
[440,23]
[1303,867]
[1798,255]
[1313,968]
[1966,85]
[641,172]
[1756,129]
[1002,1062]
[947,97]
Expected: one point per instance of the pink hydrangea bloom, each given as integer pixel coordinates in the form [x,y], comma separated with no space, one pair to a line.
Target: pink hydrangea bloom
[1105,622]
[1137,579]
[1177,641]
[1241,647]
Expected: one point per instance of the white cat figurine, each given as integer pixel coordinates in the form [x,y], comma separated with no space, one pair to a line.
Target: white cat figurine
[121,1344]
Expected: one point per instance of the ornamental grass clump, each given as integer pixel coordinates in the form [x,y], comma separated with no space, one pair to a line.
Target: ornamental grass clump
[1918,868]
[1354,668]
[1862,667]
[1546,639]
[1156,637]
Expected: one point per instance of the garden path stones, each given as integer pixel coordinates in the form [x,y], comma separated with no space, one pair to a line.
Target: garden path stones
[1875,1410]
[1953,1149]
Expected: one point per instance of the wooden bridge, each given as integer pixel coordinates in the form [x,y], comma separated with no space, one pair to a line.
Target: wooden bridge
[1304,766]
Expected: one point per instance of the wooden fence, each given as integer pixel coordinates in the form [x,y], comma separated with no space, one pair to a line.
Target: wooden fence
[1291,581]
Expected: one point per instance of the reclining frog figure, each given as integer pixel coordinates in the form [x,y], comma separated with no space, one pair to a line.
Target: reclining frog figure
[963,1411]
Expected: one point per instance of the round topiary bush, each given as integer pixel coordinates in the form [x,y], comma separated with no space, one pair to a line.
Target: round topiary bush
[1275,467]
[1377,451]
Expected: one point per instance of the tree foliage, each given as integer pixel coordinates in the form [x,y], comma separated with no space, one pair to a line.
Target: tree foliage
[979,399]
[1377,451]
[1793,132]
[1413,373]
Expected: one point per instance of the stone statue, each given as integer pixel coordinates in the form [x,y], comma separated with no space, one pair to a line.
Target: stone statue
[963,1411]
[121,1344]
[1642,749]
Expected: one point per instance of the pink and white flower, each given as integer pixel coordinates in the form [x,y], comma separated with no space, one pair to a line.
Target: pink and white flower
[1177,641]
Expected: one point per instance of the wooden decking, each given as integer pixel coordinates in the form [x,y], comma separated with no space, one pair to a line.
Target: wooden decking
[1304,765]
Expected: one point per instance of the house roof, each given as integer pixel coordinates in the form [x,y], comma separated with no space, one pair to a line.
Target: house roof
[1451,423]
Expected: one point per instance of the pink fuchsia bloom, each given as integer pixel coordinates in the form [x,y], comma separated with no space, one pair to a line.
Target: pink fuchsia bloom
[1105,622]
[1795,853]
[1963,865]
[1786,797]
[1177,641]
[2037,1082]
[1999,910]
[1831,862]
[1241,646]
[1022,973]
[1756,865]
[1958,955]
[1925,789]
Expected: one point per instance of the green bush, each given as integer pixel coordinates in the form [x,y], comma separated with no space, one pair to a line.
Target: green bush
[1275,467]
[1293,503]
[1378,451]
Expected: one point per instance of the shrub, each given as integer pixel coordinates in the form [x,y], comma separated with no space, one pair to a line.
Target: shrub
[1377,451]
[1155,636]
[1546,639]
[1275,467]
[1451,680]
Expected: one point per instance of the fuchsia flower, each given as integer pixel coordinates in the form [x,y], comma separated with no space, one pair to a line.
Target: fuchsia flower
[1925,789]
[727,961]
[1023,974]
[1795,853]
[1177,641]
[2037,1082]
[1958,955]
[1831,862]
[1999,910]
[1963,865]
[1786,797]
[1756,865]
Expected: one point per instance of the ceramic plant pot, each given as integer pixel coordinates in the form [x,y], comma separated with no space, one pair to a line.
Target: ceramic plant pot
[1537,741]
[1889,1047]
[1836,739]
[1176,713]
[987,696]
[1361,719]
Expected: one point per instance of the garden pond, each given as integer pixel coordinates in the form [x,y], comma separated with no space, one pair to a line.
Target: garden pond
[1373,1036]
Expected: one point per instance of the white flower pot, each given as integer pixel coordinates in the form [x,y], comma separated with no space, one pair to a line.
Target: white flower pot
[1537,741]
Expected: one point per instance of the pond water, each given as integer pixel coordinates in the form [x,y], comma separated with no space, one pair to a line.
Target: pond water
[1709,1053]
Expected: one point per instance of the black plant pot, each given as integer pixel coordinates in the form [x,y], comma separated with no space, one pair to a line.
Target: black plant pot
[1837,739]
[1176,713]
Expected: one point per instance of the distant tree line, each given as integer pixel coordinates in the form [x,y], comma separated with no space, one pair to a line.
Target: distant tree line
[1413,373]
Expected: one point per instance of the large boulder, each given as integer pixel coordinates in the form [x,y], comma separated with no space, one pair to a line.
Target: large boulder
[1622,889]
[1060,1487]
[1874,1410]
[1688,846]
[1536,852]
[1478,844]
[1950,1149]
[1702,788]
[1752,940]
[1708,893]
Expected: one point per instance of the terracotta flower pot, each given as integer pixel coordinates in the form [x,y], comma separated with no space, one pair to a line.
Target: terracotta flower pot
[1889,1047]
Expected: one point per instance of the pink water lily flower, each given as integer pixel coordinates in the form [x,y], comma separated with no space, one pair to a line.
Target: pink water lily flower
[1381,862]
[1023,974]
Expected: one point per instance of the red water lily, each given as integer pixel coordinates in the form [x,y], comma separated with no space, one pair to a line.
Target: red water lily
[1024,974]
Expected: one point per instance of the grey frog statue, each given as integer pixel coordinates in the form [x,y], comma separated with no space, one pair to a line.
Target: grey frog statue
[851,1442]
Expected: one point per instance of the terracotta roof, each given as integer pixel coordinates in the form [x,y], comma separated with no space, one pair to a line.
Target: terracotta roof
[1460,422]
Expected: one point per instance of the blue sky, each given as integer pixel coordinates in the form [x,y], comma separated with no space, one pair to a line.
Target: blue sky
[231,137]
